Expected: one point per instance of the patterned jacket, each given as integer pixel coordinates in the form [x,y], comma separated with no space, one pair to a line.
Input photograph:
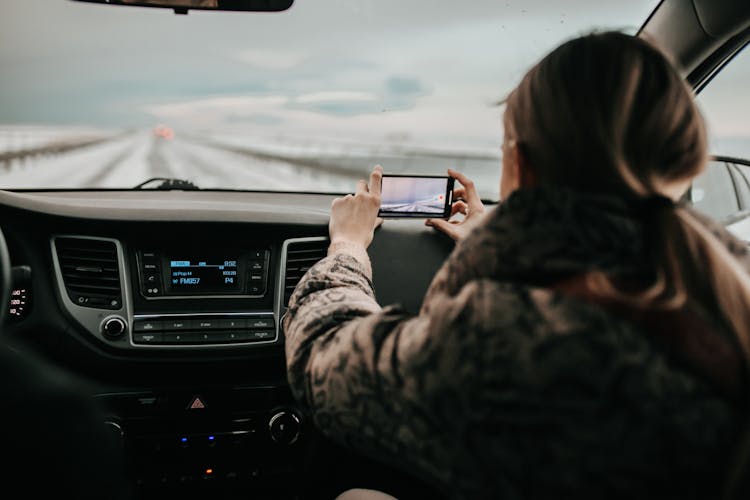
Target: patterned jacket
[502,387]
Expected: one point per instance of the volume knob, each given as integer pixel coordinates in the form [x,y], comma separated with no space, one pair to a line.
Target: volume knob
[113,327]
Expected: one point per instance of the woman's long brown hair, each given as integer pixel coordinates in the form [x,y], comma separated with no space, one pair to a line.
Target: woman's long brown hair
[609,113]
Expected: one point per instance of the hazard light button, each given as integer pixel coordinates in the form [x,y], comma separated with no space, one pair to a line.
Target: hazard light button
[197,403]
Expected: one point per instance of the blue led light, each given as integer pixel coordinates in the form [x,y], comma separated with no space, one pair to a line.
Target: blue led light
[184,440]
[211,438]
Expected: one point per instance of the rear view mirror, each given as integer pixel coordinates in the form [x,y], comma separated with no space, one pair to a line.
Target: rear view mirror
[182,6]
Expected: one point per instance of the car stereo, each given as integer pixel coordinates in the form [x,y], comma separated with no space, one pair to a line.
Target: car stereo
[186,273]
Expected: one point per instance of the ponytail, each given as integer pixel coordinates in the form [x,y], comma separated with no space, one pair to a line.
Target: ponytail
[729,283]
[692,271]
[609,113]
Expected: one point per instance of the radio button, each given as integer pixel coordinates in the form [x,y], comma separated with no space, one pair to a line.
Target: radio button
[257,254]
[262,335]
[180,338]
[232,323]
[260,323]
[152,280]
[177,324]
[256,265]
[256,288]
[237,336]
[147,338]
[207,338]
[205,324]
[256,276]
[147,325]
[150,266]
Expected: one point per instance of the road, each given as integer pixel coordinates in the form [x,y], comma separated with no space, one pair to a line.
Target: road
[129,159]
[423,206]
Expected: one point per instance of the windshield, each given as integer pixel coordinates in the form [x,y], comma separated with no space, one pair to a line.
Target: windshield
[305,100]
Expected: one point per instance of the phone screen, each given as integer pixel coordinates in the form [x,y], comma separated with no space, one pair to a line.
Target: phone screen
[416,196]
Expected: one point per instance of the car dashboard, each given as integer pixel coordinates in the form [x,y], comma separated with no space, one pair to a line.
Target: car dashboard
[168,306]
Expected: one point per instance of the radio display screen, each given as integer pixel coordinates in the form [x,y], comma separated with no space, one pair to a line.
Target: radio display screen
[202,274]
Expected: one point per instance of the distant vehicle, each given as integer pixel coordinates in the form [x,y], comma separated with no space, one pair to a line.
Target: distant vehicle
[164,132]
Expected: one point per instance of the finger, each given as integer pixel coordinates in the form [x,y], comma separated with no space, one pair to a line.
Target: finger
[442,226]
[376,179]
[361,187]
[459,193]
[378,222]
[470,191]
[459,207]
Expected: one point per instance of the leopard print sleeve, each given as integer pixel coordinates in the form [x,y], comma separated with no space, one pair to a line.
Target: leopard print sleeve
[354,366]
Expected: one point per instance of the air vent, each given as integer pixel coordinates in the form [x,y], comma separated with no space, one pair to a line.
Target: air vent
[301,255]
[90,272]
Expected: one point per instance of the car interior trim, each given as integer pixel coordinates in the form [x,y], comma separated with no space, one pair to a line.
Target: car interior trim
[92,318]
[195,206]
[279,298]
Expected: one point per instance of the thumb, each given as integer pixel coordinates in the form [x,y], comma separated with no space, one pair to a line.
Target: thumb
[443,226]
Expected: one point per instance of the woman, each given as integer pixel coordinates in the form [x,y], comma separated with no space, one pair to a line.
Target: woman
[587,338]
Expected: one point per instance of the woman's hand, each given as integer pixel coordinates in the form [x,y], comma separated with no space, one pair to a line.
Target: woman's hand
[355,217]
[466,201]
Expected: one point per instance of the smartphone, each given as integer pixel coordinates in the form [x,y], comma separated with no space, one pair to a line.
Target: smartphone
[416,196]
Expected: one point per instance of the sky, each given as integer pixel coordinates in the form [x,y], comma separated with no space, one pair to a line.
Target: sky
[425,71]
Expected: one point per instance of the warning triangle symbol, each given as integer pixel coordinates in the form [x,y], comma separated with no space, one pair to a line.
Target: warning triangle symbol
[196,404]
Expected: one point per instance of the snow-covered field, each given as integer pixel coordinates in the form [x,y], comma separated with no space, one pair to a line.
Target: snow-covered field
[19,138]
[230,161]
[233,161]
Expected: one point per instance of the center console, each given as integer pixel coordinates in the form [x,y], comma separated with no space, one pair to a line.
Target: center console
[243,439]
[213,301]
[169,295]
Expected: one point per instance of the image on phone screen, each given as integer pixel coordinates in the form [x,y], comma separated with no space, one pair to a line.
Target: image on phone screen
[415,196]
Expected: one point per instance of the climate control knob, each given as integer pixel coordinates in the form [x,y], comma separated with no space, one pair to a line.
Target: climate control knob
[115,429]
[113,327]
[284,427]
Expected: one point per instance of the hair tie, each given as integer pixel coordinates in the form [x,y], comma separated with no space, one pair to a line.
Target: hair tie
[654,203]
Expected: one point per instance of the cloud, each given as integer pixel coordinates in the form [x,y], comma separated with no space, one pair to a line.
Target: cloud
[403,92]
[336,96]
[405,86]
[270,59]
[254,119]
[216,109]
[338,103]
[371,98]
[342,108]
[395,93]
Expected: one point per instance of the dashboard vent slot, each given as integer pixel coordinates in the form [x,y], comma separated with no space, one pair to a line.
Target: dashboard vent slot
[90,272]
[301,256]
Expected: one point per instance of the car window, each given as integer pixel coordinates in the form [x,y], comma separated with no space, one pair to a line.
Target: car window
[741,176]
[713,192]
[722,191]
[305,100]
[725,104]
